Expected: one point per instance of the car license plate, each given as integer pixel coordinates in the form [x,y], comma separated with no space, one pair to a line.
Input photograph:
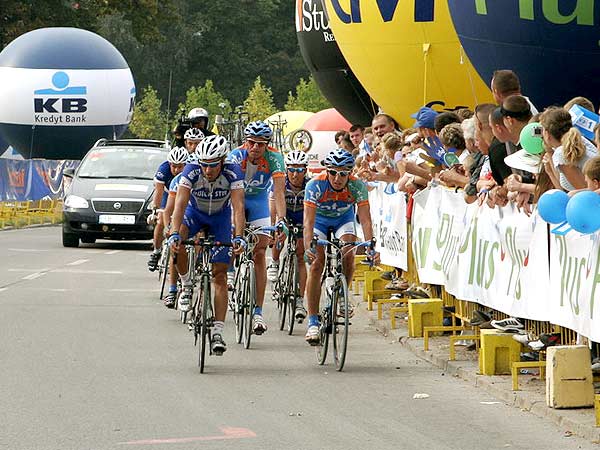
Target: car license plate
[116,219]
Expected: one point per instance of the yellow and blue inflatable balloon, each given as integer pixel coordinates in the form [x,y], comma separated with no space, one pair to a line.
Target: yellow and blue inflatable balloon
[406,54]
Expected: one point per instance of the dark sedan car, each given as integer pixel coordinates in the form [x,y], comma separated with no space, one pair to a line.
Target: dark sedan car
[111,191]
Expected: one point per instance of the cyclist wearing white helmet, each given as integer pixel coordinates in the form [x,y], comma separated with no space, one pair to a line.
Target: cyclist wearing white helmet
[329,203]
[174,164]
[296,163]
[264,170]
[198,118]
[169,298]
[192,138]
[206,193]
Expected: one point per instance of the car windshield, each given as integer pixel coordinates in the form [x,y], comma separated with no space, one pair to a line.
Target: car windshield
[132,163]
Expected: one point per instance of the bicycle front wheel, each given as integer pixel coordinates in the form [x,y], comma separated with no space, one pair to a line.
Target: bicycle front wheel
[280,291]
[237,296]
[206,319]
[293,292]
[326,321]
[339,331]
[249,302]
[163,269]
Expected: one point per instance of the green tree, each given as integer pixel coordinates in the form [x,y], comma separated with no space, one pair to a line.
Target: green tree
[259,102]
[148,119]
[204,97]
[308,97]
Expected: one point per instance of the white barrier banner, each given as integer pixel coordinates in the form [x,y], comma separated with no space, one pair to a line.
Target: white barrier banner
[388,214]
[438,221]
[575,279]
[497,250]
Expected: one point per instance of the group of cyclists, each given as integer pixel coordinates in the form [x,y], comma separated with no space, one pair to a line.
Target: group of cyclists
[205,186]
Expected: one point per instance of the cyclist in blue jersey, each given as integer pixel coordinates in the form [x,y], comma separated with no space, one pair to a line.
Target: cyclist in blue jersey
[205,195]
[263,168]
[296,163]
[171,296]
[329,202]
[192,138]
[165,173]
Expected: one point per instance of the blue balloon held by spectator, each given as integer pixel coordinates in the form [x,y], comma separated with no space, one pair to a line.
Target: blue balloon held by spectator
[583,212]
[552,206]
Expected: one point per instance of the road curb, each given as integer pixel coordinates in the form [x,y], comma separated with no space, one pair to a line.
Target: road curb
[526,401]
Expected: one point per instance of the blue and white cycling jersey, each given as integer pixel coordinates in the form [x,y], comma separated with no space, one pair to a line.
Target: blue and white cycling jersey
[211,197]
[163,174]
[172,188]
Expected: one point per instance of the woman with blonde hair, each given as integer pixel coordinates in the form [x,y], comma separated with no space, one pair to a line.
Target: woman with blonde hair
[570,149]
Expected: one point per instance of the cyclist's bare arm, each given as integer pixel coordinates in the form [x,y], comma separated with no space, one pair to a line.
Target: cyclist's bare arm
[310,214]
[364,216]
[239,216]
[168,211]
[279,196]
[159,189]
[181,201]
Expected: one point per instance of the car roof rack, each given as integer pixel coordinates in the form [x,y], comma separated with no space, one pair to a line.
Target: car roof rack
[103,142]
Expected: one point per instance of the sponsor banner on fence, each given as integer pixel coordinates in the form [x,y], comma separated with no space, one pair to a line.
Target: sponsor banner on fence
[575,283]
[32,179]
[388,214]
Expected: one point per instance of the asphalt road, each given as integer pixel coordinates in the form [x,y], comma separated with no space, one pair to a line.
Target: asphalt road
[90,359]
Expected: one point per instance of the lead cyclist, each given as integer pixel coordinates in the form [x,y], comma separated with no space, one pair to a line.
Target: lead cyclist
[329,203]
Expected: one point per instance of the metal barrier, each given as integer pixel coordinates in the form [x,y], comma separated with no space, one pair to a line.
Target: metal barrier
[30,212]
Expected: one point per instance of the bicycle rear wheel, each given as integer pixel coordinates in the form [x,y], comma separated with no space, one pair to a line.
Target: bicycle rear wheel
[205,320]
[293,291]
[325,329]
[341,323]
[249,302]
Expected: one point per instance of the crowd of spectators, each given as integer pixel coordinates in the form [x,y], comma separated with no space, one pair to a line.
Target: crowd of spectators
[487,161]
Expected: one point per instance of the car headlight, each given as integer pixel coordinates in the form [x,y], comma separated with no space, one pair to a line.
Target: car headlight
[73,201]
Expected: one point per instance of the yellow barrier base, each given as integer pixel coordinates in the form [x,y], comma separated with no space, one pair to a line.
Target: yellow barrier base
[460,337]
[524,365]
[437,329]
[497,352]
[393,311]
[424,312]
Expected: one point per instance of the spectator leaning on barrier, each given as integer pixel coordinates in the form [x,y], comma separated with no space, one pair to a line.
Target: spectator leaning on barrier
[506,83]
[591,172]
[357,133]
[464,114]
[571,150]
[341,134]
[425,125]
[499,147]
[452,138]
[443,119]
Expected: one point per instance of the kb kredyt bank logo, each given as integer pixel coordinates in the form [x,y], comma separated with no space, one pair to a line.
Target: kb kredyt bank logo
[60,104]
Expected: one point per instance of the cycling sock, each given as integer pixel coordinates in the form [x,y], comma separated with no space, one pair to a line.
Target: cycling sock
[172,288]
[258,310]
[313,320]
[218,327]
[185,278]
[156,251]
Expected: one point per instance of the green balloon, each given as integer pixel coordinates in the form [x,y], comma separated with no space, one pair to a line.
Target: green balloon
[531,139]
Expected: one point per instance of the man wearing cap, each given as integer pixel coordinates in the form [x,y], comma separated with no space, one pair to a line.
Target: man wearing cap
[425,125]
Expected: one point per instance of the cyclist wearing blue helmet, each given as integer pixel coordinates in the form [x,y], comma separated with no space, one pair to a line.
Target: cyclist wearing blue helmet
[264,171]
[329,202]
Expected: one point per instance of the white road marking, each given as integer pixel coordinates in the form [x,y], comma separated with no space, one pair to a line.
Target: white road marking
[3,289]
[29,270]
[29,250]
[99,272]
[33,276]
[132,290]
[78,262]
[113,252]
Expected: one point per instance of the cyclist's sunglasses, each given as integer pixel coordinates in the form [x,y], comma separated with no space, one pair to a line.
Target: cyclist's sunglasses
[209,165]
[296,169]
[341,173]
[259,143]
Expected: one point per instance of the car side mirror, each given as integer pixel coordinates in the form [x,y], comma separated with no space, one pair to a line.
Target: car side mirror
[69,172]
